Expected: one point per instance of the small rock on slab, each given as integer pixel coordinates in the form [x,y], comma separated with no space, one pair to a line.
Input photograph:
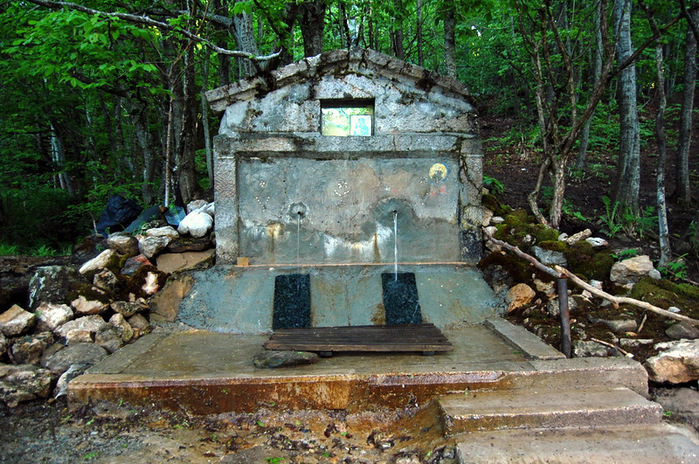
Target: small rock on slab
[272,359]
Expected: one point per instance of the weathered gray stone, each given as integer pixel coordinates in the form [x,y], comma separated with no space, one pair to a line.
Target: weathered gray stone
[195,205]
[496,220]
[184,244]
[678,362]
[51,315]
[123,243]
[620,325]
[100,262]
[23,383]
[106,280]
[30,348]
[588,348]
[271,359]
[62,384]
[85,307]
[166,231]
[680,404]
[51,284]
[151,246]
[16,321]
[635,342]
[123,328]
[630,271]
[139,323]
[4,345]
[682,330]
[553,306]
[82,353]
[197,224]
[127,308]
[92,324]
[520,295]
[109,339]
[550,257]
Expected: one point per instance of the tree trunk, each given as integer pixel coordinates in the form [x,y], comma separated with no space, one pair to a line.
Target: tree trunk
[585,137]
[418,33]
[450,38]
[224,61]
[628,177]
[683,191]
[205,118]
[245,39]
[312,22]
[397,30]
[185,173]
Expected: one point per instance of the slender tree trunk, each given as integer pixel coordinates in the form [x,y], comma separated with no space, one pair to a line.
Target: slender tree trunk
[185,166]
[418,33]
[663,230]
[397,30]
[205,118]
[628,178]
[450,38]
[585,137]
[683,191]
[245,39]
[224,61]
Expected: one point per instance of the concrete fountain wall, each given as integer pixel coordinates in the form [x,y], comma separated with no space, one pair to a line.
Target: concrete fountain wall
[272,162]
[292,200]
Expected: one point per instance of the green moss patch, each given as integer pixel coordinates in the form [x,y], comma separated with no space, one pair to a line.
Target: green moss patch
[663,293]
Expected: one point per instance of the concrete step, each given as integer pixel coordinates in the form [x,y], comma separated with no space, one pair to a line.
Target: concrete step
[651,444]
[546,408]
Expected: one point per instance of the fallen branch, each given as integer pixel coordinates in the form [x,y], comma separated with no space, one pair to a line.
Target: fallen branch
[611,345]
[617,300]
[560,272]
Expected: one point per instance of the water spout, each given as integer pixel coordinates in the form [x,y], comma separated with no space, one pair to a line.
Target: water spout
[395,245]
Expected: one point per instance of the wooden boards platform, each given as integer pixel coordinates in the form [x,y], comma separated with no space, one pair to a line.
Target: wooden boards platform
[425,338]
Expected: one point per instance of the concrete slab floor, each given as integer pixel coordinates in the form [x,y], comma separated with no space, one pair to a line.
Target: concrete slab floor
[206,372]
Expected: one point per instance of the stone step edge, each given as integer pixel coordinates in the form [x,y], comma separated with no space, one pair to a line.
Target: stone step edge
[619,444]
[627,407]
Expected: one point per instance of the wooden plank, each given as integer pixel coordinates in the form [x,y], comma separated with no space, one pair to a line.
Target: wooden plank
[424,338]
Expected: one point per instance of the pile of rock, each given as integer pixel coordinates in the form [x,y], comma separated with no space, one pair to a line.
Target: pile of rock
[524,292]
[78,315]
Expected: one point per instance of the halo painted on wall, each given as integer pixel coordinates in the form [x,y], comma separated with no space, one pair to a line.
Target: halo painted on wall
[438,172]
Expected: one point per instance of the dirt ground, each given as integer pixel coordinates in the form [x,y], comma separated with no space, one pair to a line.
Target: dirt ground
[42,432]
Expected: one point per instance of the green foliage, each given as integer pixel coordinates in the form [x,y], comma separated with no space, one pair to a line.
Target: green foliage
[677,268]
[617,219]
[8,250]
[495,186]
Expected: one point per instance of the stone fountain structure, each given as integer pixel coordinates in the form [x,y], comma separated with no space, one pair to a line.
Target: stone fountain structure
[342,167]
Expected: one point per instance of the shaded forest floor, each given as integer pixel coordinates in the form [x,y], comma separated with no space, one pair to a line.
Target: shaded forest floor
[515,164]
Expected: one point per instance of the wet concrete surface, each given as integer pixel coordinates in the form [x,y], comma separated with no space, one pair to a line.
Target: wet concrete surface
[207,372]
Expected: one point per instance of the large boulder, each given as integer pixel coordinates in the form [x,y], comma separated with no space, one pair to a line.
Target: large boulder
[630,271]
[16,321]
[22,383]
[678,362]
[52,284]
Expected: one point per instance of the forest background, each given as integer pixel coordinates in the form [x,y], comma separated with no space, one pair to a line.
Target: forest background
[105,97]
